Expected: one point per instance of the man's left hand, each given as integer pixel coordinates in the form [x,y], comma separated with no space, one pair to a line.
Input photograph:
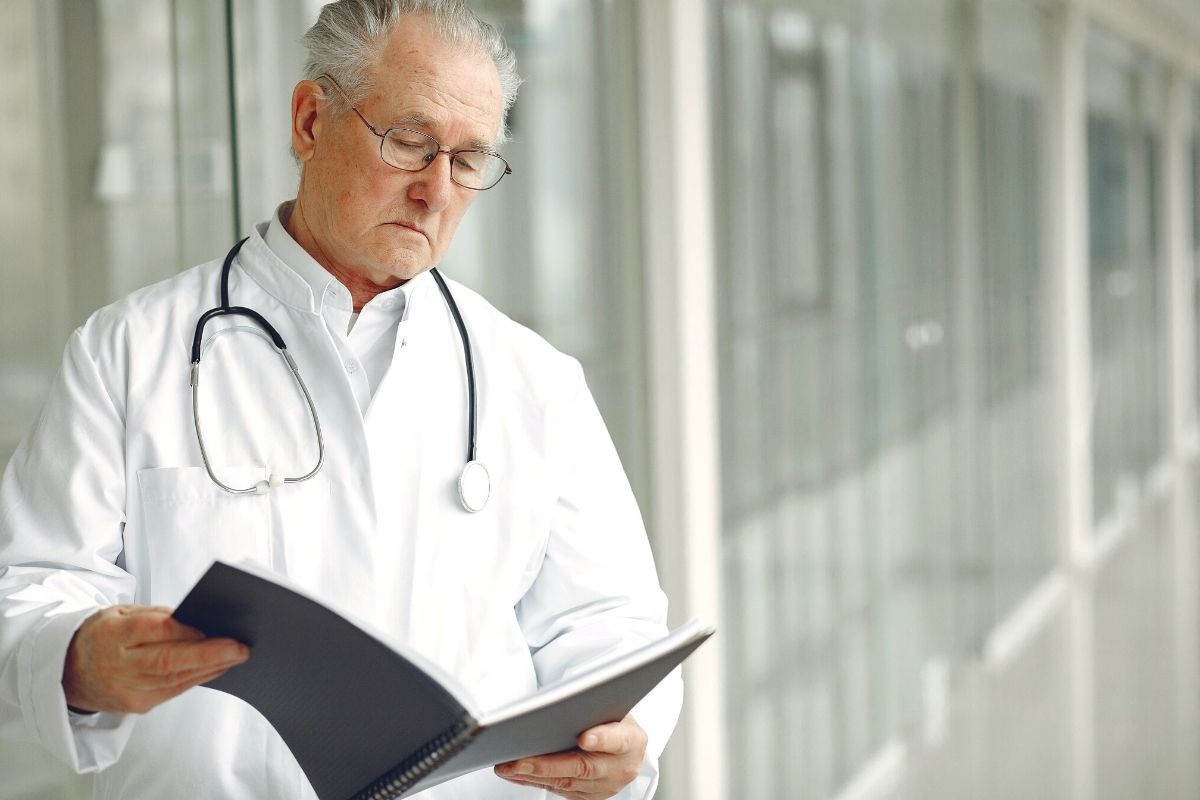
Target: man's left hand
[608,759]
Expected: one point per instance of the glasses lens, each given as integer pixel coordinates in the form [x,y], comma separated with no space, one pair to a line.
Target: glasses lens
[408,150]
[413,151]
[475,169]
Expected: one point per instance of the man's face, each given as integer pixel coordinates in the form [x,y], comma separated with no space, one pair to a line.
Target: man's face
[373,221]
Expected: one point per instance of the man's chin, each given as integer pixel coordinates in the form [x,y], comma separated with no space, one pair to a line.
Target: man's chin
[405,263]
[404,270]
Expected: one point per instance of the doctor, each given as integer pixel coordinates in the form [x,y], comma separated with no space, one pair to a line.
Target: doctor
[112,508]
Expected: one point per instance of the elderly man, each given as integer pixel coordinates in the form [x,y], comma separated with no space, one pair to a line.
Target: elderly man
[509,577]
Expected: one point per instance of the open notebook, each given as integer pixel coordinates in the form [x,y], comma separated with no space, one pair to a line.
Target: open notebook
[368,719]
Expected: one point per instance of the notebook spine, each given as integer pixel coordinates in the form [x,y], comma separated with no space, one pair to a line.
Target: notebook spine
[404,776]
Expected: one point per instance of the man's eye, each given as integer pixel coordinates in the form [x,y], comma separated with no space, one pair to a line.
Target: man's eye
[408,143]
[471,161]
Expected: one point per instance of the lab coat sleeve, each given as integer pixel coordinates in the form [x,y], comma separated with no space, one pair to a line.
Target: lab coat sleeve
[597,593]
[62,503]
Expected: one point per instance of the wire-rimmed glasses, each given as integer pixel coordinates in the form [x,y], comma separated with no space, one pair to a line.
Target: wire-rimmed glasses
[412,151]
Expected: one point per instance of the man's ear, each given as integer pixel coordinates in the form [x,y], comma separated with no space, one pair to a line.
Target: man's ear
[307,98]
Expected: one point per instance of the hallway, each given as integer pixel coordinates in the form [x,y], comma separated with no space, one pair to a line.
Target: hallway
[1101,702]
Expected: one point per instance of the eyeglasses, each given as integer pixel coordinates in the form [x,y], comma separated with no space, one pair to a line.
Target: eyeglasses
[413,151]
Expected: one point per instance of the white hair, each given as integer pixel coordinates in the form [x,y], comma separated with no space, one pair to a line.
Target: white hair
[346,40]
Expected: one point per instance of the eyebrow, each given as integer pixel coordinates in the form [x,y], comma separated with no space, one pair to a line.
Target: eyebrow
[425,121]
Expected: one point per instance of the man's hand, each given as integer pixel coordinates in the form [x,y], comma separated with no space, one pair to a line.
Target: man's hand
[608,759]
[131,658]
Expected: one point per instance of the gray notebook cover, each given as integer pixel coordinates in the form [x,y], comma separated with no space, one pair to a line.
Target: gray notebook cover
[365,720]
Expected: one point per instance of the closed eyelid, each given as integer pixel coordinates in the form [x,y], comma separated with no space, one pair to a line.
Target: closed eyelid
[422,124]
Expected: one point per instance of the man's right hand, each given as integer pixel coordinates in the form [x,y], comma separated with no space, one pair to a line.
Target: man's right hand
[131,658]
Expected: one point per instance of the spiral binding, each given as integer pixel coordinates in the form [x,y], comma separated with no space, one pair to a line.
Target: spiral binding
[405,775]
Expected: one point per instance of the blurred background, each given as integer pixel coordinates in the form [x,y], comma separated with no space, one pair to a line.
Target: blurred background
[890,307]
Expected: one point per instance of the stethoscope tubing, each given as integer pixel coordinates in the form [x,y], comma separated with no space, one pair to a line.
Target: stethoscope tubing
[223,310]
[466,342]
[474,484]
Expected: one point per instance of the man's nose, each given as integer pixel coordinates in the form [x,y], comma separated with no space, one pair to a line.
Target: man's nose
[433,186]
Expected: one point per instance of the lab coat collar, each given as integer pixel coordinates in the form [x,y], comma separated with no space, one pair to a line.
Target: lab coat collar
[285,269]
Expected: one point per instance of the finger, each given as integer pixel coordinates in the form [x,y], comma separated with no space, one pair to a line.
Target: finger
[200,679]
[144,697]
[185,679]
[174,657]
[130,610]
[171,658]
[571,764]
[157,625]
[614,737]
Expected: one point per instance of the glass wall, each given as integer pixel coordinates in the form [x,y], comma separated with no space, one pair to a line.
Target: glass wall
[1195,216]
[38,298]
[1128,284]
[1018,488]
[888,486]
[836,359]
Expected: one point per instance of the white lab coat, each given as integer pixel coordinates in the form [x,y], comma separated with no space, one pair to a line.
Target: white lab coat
[107,502]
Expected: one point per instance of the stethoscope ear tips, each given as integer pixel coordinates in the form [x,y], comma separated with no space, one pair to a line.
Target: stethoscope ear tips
[474,486]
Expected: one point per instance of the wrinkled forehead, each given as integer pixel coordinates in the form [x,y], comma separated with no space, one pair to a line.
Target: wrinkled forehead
[421,77]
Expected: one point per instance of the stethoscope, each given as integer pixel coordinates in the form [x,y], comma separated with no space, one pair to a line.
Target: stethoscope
[474,483]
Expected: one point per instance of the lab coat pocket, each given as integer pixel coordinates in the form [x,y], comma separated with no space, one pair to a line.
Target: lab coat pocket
[189,521]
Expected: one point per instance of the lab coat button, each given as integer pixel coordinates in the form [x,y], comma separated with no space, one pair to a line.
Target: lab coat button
[351,367]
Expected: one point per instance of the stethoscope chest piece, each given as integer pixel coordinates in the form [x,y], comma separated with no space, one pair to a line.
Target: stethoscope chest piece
[474,486]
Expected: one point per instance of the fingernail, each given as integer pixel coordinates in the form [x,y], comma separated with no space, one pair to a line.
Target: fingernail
[523,768]
[589,740]
[236,652]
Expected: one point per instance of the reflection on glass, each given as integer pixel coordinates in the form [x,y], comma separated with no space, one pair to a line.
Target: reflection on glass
[1017,513]
[1127,318]
[163,175]
[1196,209]
[835,293]
[845,426]
[35,305]
[268,61]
